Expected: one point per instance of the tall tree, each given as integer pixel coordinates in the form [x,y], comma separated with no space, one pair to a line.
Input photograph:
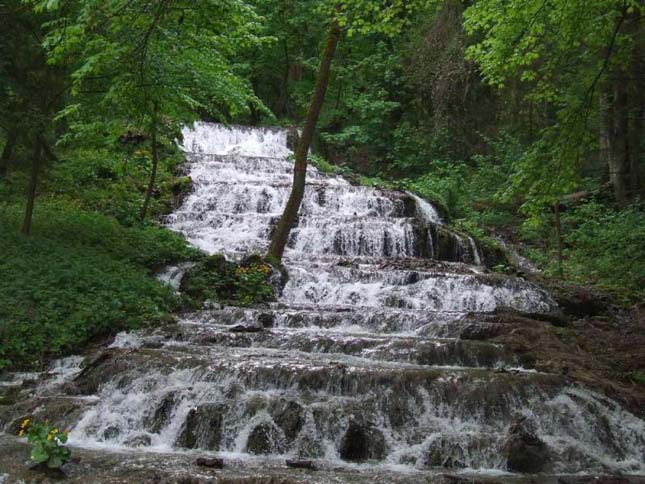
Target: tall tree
[283,228]
[152,66]
[357,16]
[582,63]
[31,92]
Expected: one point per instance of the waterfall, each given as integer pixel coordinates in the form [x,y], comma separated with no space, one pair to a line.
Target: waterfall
[362,358]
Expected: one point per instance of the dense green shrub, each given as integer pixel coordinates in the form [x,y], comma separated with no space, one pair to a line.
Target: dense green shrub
[113,182]
[605,248]
[80,276]
[242,283]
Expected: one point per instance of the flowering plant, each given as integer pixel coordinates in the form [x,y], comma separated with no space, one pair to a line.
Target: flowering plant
[47,441]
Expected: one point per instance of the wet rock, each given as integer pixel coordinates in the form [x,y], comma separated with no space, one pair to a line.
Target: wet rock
[161,416]
[101,367]
[9,395]
[70,388]
[448,455]
[241,328]
[293,138]
[264,439]
[139,441]
[211,305]
[213,463]
[523,449]
[202,428]
[362,442]
[579,301]
[111,433]
[594,479]
[290,417]
[308,447]
[448,479]
[557,318]
[267,320]
[301,464]
[409,206]
[482,331]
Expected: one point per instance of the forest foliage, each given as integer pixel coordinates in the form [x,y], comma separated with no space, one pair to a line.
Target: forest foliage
[520,119]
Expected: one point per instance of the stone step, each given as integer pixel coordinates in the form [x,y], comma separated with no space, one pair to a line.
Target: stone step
[249,333]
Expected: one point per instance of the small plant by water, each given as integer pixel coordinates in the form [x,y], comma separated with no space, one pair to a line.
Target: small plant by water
[48,443]
[243,283]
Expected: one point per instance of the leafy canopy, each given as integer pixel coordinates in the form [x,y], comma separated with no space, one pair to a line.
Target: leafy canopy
[135,60]
[561,53]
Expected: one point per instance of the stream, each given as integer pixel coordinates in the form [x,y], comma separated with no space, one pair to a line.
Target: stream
[360,367]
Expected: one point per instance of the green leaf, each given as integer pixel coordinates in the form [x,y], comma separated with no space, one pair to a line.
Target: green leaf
[38,454]
[55,462]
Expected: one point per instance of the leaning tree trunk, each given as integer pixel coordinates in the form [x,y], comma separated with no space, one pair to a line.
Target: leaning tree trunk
[31,190]
[153,174]
[282,230]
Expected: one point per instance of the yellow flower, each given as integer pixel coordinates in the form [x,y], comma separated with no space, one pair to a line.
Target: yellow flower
[24,423]
[21,433]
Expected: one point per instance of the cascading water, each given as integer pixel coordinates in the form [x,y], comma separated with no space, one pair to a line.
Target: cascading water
[359,360]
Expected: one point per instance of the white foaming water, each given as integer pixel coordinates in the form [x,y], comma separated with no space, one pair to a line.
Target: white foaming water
[361,355]
[426,210]
[219,140]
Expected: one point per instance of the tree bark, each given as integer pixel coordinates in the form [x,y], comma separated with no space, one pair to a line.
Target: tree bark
[7,153]
[558,235]
[618,156]
[283,229]
[31,189]
[636,135]
[155,164]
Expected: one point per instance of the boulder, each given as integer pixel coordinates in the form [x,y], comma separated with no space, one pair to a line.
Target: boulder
[362,442]
[202,428]
[267,320]
[265,439]
[161,415]
[446,454]
[301,464]
[523,449]
[290,417]
[101,367]
[139,441]
[214,463]
[241,328]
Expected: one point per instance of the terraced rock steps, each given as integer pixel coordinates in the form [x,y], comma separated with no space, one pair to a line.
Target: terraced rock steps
[374,358]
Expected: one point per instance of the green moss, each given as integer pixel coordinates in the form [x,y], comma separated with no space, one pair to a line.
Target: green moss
[637,377]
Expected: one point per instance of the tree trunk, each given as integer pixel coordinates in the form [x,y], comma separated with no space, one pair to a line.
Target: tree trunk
[618,126]
[153,174]
[558,236]
[282,230]
[31,190]
[636,135]
[7,153]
